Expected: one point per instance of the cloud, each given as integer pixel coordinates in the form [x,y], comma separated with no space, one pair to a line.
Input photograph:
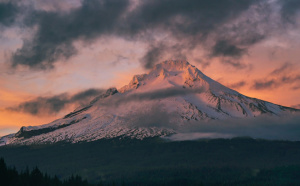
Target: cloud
[263,127]
[296,87]
[224,28]
[8,13]
[51,105]
[55,104]
[274,83]
[282,76]
[290,79]
[289,9]
[56,31]
[154,95]
[157,53]
[186,18]
[189,23]
[154,53]
[265,84]
[237,85]
[186,22]
[224,48]
[234,63]
[90,93]
[56,5]
[282,69]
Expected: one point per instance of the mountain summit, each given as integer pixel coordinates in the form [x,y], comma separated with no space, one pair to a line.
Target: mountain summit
[168,98]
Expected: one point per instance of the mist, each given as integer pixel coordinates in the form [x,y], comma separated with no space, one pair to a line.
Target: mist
[262,127]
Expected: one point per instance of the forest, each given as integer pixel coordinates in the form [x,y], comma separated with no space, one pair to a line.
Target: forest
[11,177]
[153,161]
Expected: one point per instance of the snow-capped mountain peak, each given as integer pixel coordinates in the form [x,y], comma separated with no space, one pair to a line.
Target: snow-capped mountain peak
[158,103]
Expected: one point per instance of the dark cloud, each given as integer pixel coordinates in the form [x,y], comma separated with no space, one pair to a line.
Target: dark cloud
[273,83]
[289,10]
[162,93]
[224,48]
[86,94]
[57,31]
[224,28]
[290,79]
[237,85]
[8,13]
[154,53]
[234,63]
[286,66]
[281,78]
[56,5]
[55,104]
[296,87]
[188,22]
[43,105]
[157,53]
[262,127]
[152,95]
[265,84]
[188,18]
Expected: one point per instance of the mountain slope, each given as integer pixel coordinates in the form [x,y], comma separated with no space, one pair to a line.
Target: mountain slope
[172,95]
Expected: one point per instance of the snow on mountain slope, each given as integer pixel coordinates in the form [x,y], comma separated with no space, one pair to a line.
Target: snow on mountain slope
[159,103]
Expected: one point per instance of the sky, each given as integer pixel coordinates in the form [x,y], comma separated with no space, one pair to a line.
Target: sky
[56,55]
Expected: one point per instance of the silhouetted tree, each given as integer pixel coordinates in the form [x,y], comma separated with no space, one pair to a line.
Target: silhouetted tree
[11,177]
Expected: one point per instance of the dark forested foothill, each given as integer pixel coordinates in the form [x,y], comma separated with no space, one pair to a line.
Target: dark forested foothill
[153,161]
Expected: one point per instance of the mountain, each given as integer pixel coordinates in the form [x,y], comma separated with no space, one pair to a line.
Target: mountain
[170,97]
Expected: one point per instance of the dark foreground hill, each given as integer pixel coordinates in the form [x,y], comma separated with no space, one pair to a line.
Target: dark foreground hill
[154,161]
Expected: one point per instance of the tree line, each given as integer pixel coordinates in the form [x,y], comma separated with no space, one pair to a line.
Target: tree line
[11,177]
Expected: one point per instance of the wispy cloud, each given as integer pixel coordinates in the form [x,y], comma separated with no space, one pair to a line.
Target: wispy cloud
[282,69]
[283,75]
[153,95]
[234,63]
[55,104]
[265,84]
[237,85]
